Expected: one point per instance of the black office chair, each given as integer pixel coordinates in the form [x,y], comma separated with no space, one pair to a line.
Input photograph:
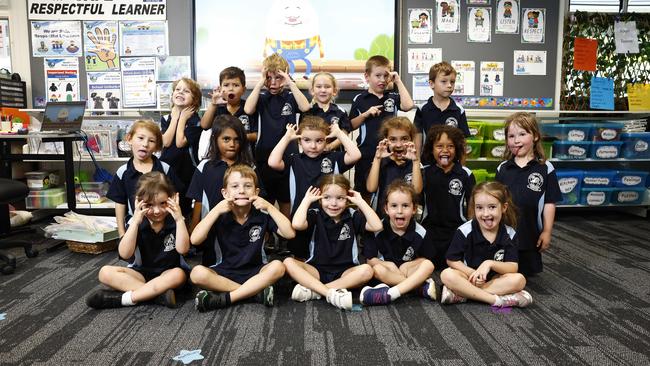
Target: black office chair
[12,191]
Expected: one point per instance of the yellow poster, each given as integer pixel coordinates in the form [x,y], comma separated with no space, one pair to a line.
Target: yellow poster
[638,97]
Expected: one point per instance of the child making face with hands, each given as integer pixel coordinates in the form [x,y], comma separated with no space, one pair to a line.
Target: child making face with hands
[324,90]
[394,252]
[154,244]
[333,265]
[236,227]
[395,158]
[483,254]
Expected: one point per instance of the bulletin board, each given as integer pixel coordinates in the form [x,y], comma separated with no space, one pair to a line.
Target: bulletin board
[519,91]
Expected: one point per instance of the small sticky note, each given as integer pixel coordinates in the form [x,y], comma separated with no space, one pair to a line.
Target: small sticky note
[638,97]
[584,54]
[602,93]
[186,357]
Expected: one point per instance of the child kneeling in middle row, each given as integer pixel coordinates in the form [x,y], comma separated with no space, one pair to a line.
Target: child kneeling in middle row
[237,226]
[333,264]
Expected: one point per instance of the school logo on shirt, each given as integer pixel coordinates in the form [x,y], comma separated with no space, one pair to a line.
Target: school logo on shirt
[535,182]
[345,232]
[169,242]
[326,166]
[287,110]
[498,256]
[244,121]
[334,120]
[255,233]
[456,187]
[451,121]
[409,178]
[408,255]
[389,105]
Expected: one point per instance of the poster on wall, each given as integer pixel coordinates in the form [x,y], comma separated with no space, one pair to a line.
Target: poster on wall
[465,77]
[5,52]
[533,24]
[100,46]
[479,25]
[447,16]
[491,78]
[626,37]
[507,17]
[421,59]
[57,39]
[173,68]
[164,92]
[61,79]
[138,81]
[421,89]
[104,90]
[143,38]
[96,9]
[529,62]
[478,2]
[420,26]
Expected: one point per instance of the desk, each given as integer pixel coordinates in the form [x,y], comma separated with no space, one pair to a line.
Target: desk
[6,157]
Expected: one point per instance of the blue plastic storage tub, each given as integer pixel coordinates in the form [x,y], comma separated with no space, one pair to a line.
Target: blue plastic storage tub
[596,196]
[569,150]
[605,149]
[598,178]
[570,182]
[628,196]
[567,131]
[631,178]
[606,131]
[636,145]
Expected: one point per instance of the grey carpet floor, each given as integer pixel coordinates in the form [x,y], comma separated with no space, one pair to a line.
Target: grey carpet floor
[591,306]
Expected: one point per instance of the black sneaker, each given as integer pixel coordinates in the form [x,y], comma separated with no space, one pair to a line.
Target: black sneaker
[265,297]
[167,298]
[209,300]
[104,299]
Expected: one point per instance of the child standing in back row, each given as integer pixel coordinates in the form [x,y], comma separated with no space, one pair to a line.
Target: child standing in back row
[533,183]
[370,109]
[277,107]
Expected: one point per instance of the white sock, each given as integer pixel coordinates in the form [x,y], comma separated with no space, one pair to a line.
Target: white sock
[498,301]
[126,299]
[394,293]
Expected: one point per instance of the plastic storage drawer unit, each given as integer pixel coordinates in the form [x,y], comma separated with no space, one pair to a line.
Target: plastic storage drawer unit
[493,149]
[47,198]
[636,145]
[91,192]
[605,149]
[606,131]
[495,131]
[476,130]
[567,131]
[571,150]
[473,149]
[628,196]
[598,178]
[631,178]
[38,180]
[596,196]
[570,182]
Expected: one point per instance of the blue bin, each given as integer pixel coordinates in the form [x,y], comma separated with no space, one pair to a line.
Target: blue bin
[603,150]
[570,182]
[636,145]
[631,178]
[567,131]
[598,178]
[596,196]
[571,150]
[628,196]
[606,131]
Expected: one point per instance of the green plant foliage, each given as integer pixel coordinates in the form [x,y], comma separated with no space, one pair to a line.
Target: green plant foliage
[624,69]
[382,45]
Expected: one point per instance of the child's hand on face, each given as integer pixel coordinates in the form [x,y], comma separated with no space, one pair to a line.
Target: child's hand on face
[263,76]
[176,112]
[292,132]
[224,206]
[186,113]
[286,79]
[174,208]
[313,194]
[335,130]
[355,197]
[373,111]
[411,152]
[260,203]
[141,210]
[394,77]
[216,97]
[382,149]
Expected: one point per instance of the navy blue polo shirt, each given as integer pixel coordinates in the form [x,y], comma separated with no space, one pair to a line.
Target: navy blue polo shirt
[470,246]
[248,120]
[155,252]
[334,114]
[305,171]
[125,183]
[429,114]
[186,158]
[389,171]
[531,187]
[334,246]
[369,129]
[389,246]
[241,246]
[275,111]
[446,196]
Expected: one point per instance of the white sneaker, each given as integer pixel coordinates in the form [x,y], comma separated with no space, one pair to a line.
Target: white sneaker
[301,293]
[519,299]
[341,298]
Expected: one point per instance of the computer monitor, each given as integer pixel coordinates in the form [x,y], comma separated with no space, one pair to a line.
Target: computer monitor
[63,116]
